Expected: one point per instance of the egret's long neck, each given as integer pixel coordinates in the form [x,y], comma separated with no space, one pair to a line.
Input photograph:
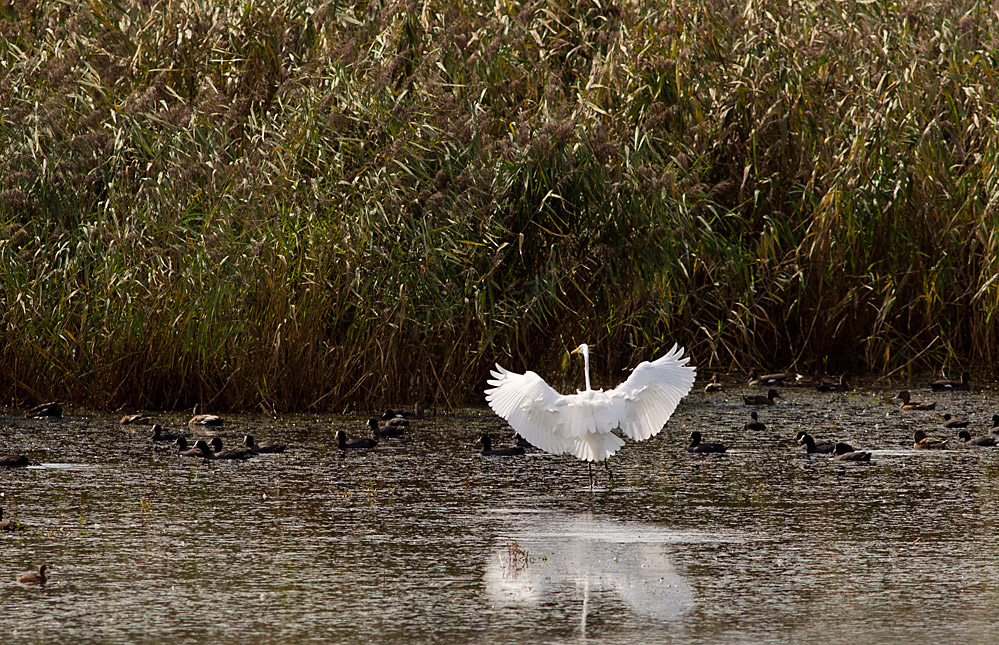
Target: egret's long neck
[586,369]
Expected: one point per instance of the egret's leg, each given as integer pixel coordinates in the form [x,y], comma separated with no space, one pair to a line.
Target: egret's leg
[610,474]
[589,471]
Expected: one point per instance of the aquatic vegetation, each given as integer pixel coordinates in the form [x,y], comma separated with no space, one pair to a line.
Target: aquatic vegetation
[270,205]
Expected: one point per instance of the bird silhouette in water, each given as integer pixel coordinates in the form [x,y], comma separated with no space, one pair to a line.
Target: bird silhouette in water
[489,451]
[386,431]
[698,446]
[356,444]
[264,447]
[845,452]
[944,385]
[922,442]
[754,424]
[757,399]
[982,442]
[909,404]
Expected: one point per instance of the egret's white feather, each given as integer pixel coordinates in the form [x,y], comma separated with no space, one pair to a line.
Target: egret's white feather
[582,423]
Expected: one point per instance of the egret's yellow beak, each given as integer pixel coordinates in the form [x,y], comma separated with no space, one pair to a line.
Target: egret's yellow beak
[575,351]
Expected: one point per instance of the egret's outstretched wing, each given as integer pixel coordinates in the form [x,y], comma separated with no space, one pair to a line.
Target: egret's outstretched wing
[647,399]
[530,406]
[582,423]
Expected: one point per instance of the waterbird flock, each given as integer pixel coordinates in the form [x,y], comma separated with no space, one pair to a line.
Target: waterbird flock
[585,424]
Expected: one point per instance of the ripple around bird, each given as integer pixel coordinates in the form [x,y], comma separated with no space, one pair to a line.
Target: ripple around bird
[422,539]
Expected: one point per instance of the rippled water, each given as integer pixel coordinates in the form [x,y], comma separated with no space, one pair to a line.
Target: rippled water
[422,540]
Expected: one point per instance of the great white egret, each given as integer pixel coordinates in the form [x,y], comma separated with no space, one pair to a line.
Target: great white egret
[581,424]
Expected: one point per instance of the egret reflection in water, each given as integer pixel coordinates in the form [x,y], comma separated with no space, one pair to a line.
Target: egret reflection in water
[547,554]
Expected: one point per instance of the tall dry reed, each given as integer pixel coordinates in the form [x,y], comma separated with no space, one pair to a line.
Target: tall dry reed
[281,205]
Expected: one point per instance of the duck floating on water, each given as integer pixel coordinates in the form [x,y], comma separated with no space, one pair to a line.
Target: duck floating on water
[841,384]
[944,385]
[954,422]
[200,449]
[356,444]
[50,410]
[767,380]
[754,424]
[714,385]
[845,452]
[386,431]
[698,446]
[812,447]
[983,442]
[489,451]
[909,404]
[14,461]
[33,579]
[757,399]
[922,442]
[202,419]
[265,447]
[161,435]
[221,452]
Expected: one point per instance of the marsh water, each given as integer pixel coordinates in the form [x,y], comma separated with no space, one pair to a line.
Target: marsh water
[423,540]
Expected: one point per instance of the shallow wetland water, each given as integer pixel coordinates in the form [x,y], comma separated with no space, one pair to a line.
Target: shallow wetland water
[423,540]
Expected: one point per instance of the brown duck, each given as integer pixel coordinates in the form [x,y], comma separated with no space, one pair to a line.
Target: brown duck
[714,385]
[909,404]
[921,442]
[202,419]
[33,579]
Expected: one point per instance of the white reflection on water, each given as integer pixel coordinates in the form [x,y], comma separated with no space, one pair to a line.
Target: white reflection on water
[549,554]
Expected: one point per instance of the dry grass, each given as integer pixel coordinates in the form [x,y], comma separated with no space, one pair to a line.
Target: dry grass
[258,204]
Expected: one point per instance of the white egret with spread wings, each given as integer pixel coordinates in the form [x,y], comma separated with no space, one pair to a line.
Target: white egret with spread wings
[582,424]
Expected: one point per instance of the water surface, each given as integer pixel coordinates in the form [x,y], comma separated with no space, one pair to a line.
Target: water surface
[422,540]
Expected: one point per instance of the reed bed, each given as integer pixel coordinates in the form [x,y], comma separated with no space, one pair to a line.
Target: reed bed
[292,205]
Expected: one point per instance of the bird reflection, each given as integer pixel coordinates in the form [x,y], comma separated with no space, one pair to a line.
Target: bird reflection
[545,555]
